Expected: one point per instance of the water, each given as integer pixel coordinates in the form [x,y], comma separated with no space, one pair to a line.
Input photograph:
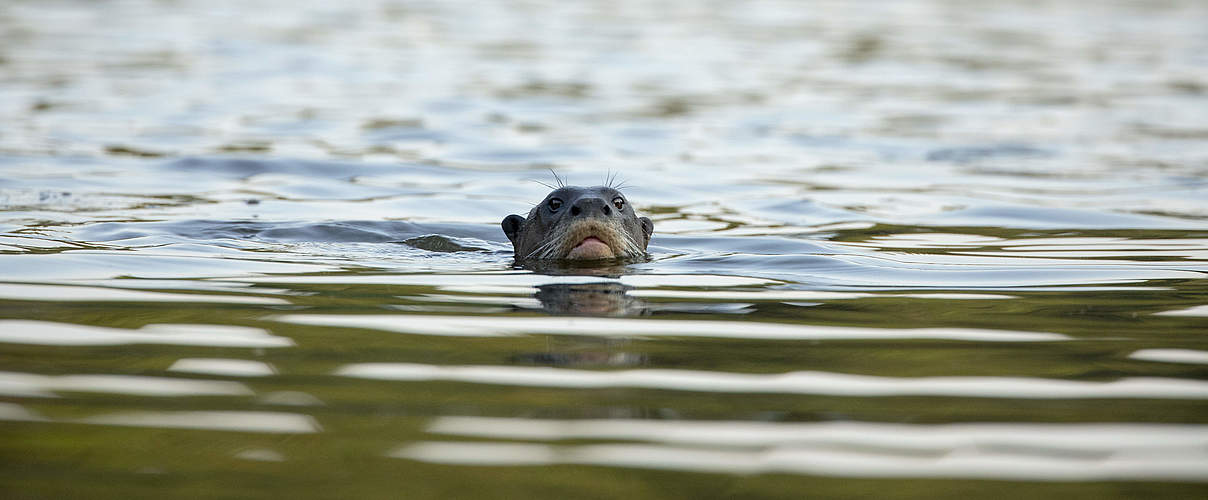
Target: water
[924,249]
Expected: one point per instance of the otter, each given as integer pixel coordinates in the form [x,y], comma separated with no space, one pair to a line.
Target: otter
[579,224]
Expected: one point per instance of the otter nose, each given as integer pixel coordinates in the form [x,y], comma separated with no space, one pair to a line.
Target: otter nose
[590,207]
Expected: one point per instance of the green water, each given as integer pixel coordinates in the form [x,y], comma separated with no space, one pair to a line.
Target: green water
[902,250]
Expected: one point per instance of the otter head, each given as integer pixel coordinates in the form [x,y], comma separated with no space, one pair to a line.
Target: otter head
[579,223]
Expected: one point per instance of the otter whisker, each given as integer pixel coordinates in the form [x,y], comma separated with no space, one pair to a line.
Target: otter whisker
[556,246]
[543,251]
[610,178]
[611,181]
[632,247]
[586,229]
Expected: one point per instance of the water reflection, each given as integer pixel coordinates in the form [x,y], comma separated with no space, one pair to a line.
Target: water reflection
[521,282]
[260,455]
[290,398]
[1172,356]
[29,384]
[17,413]
[607,355]
[241,421]
[869,213]
[805,382]
[934,439]
[1191,311]
[590,299]
[1048,452]
[225,367]
[236,421]
[10,291]
[1176,465]
[484,326]
[64,334]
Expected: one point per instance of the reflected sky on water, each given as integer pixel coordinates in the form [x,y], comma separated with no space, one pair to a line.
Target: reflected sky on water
[930,247]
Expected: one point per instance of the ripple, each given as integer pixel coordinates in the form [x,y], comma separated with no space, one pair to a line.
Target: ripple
[1197,311]
[895,270]
[1039,438]
[85,264]
[225,367]
[962,463]
[64,334]
[25,384]
[803,382]
[520,282]
[238,421]
[926,166]
[54,293]
[1171,356]
[486,326]
[1056,451]
[779,295]
[260,455]
[14,412]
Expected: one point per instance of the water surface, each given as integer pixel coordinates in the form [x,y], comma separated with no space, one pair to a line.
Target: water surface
[941,249]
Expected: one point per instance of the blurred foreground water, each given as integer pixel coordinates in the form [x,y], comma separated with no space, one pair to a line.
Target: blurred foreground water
[918,249]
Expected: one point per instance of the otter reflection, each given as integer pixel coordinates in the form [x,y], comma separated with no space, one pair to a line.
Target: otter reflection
[590,299]
[583,358]
[586,299]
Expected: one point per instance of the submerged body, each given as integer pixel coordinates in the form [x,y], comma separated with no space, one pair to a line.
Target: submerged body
[579,223]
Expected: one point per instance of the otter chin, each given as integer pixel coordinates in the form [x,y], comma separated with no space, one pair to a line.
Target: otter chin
[579,224]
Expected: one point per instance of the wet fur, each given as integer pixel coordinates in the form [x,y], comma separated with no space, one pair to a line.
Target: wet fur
[558,244]
[550,236]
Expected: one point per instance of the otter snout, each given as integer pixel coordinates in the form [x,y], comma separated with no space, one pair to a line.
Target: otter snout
[590,206]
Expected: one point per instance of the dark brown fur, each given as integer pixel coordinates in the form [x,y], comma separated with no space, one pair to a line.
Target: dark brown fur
[570,214]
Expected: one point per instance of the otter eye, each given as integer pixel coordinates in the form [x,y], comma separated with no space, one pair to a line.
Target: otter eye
[554,203]
[619,203]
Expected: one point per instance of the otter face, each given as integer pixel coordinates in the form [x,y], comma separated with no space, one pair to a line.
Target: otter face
[579,223]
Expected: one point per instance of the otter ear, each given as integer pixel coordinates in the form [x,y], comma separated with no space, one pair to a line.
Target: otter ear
[511,227]
[647,227]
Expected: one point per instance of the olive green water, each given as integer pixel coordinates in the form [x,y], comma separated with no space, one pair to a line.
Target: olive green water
[919,249]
